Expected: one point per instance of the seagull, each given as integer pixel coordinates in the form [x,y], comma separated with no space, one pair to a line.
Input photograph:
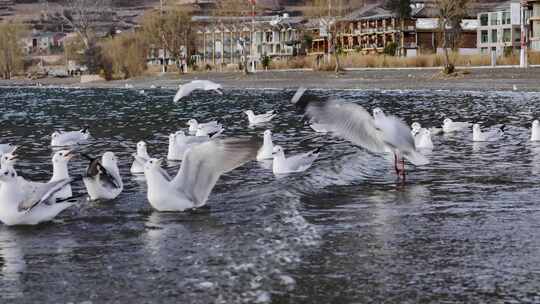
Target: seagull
[422,139]
[200,170]
[450,126]
[137,167]
[352,122]
[207,127]
[535,131]
[179,143]
[7,148]
[267,149]
[292,164]
[71,138]
[128,86]
[260,118]
[319,128]
[28,203]
[102,180]
[206,85]
[213,132]
[491,135]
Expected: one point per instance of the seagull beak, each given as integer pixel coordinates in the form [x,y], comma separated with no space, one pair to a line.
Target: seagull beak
[219,91]
[13,156]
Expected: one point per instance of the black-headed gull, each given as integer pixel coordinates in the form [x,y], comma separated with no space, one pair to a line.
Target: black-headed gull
[450,126]
[379,134]
[535,131]
[490,135]
[102,179]
[201,168]
[267,149]
[292,164]
[137,167]
[255,119]
[71,138]
[27,203]
[205,85]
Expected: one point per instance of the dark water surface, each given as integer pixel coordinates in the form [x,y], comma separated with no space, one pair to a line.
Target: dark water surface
[463,229]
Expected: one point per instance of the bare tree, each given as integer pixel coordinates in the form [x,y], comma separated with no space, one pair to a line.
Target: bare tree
[450,13]
[11,53]
[83,16]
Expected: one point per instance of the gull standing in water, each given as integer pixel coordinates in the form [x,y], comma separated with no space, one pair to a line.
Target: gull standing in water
[102,179]
[535,131]
[292,164]
[62,139]
[27,203]
[260,118]
[206,85]
[491,135]
[267,149]
[137,167]
[378,134]
[200,170]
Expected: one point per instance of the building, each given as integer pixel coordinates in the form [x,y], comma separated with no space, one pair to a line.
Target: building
[44,42]
[228,40]
[533,23]
[500,30]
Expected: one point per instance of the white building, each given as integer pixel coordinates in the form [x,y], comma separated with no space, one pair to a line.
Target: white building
[500,29]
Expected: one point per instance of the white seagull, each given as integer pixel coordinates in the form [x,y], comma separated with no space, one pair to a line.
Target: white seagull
[179,143]
[292,164]
[102,179]
[422,139]
[491,135]
[200,170]
[267,149]
[137,167]
[535,131]
[206,85]
[352,122]
[450,126]
[71,138]
[416,127]
[204,129]
[27,203]
[260,118]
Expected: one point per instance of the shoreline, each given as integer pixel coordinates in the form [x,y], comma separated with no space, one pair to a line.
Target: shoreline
[469,79]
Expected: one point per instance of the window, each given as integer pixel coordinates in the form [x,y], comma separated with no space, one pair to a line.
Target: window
[484,19]
[517,35]
[494,18]
[506,19]
[507,35]
[484,50]
[494,36]
[484,37]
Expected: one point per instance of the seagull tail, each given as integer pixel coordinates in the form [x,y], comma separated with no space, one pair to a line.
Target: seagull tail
[417,158]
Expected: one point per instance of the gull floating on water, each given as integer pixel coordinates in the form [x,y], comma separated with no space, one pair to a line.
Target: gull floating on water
[450,126]
[535,131]
[204,129]
[27,203]
[491,135]
[255,119]
[71,138]
[206,85]
[422,139]
[200,170]
[416,127]
[292,164]
[267,149]
[179,143]
[138,167]
[378,134]
[102,179]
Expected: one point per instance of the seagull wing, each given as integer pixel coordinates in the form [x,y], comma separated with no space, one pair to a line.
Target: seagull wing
[95,169]
[187,88]
[37,193]
[204,163]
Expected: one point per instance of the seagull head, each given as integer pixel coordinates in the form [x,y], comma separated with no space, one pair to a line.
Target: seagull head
[192,122]
[8,159]
[378,113]
[62,156]
[249,113]
[55,134]
[141,148]
[447,121]
[535,123]
[278,150]
[109,160]
[7,174]
[416,126]
[152,164]
[267,133]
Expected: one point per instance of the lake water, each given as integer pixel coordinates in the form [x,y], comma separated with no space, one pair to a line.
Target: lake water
[465,228]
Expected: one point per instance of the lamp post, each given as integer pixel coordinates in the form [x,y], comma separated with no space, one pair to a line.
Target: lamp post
[253,36]
[523,51]
[163,69]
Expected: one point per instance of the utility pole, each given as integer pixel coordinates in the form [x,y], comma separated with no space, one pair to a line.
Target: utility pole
[523,52]
[163,69]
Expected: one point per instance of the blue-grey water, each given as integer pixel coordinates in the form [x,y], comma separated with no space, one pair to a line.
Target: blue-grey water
[465,228]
